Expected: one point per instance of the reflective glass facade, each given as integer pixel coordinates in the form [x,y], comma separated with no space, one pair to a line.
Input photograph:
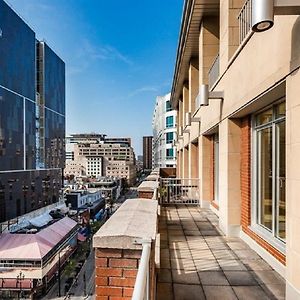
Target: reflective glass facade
[54,140]
[17,53]
[11,131]
[29,124]
[54,84]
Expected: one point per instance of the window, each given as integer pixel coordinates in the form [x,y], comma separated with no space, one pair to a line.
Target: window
[169,137]
[170,153]
[169,122]
[168,106]
[269,129]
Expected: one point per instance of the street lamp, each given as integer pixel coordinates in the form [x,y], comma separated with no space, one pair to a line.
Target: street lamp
[20,277]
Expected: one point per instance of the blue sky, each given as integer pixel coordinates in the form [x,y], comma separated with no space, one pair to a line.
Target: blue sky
[119,56]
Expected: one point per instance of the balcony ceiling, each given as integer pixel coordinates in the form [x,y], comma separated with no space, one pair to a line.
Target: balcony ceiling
[188,46]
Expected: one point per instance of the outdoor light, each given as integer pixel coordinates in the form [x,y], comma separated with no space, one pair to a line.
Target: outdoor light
[205,95]
[262,15]
[180,130]
[263,12]
[188,120]
[1,33]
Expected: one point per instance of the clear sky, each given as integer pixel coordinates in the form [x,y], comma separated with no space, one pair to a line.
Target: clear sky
[119,56]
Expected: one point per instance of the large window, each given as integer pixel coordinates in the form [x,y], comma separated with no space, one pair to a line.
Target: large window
[168,106]
[169,121]
[270,171]
[170,153]
[169,137]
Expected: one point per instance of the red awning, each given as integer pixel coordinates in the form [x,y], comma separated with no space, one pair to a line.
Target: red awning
[81,237]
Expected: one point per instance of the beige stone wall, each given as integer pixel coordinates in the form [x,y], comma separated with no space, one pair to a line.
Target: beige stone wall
[247,72]
[293,180]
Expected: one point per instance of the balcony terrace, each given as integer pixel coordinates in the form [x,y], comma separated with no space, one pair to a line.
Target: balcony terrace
[176,250]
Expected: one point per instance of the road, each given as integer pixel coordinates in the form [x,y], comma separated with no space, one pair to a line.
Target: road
[85,289]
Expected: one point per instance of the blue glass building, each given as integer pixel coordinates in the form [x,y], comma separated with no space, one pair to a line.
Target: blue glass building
[32,119]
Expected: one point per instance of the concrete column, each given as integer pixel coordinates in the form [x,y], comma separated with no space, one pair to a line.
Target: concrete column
[193,83]
[292,187]
[229,30]
[190,161]
[194,160]
[204,169]
[185,162]
[208,46]
[185,99]
[229,179]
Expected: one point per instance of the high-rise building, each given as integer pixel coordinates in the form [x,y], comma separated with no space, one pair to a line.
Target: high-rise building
[164,133]
[32,119]
[147,152]
[97,155]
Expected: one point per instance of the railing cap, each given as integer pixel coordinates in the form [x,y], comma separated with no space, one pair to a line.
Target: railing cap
[135,219]
[148,186]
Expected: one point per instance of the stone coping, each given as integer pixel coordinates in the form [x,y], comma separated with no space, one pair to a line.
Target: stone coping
[136,219]
[148,186]
[152,177]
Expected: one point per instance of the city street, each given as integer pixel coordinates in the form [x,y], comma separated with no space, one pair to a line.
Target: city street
[84,289]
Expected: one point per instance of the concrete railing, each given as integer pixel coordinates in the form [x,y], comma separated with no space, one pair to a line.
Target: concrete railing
[148,189]
[125,251]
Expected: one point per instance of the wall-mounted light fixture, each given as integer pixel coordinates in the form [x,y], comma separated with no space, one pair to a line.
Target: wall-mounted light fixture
[263,12]
[180,130]
[189,119]
[1,33]
[205,95]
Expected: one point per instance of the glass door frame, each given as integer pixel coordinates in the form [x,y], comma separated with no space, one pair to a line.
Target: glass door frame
[256,226]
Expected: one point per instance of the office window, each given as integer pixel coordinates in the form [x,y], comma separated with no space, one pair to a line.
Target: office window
[270,202]
[169,121]
[169,137]
[168,106]
[170,153]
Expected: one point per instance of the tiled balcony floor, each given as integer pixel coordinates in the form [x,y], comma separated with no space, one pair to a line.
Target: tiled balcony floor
[198,262]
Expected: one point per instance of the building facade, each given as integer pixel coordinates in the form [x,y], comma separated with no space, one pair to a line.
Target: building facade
[32,119]
[237,96]
[164,133]
[147,152]
[98,156]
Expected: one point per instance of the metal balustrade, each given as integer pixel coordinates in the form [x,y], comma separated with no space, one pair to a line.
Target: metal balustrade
[245,20]
[179,191]
[214,72]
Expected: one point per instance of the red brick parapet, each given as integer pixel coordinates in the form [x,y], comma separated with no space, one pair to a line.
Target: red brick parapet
[118,249]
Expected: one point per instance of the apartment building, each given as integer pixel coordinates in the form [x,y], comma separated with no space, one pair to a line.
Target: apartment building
[147,152]
[97,156]
[164,133]
[236,92]
[32,122]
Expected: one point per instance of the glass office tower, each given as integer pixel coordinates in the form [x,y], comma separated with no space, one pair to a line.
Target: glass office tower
[32,119]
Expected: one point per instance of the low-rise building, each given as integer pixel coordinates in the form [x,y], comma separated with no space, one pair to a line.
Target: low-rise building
[31,257]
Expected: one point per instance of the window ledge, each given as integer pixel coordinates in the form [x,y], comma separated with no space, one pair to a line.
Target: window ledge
[266,236]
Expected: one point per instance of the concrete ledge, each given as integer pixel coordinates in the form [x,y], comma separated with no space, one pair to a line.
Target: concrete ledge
[148,186]
[152,177]
[135,220]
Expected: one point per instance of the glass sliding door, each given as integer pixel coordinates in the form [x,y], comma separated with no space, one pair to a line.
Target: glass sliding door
[216,167]
[280,180]
[270,156]
[265,192]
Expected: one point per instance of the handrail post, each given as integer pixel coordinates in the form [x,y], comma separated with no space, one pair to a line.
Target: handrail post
[142,283]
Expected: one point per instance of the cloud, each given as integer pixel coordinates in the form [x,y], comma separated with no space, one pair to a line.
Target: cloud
[141,90]
[102,52]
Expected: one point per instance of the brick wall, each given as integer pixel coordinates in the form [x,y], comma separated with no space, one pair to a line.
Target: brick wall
[116,271]
[147,195]
[246,190]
